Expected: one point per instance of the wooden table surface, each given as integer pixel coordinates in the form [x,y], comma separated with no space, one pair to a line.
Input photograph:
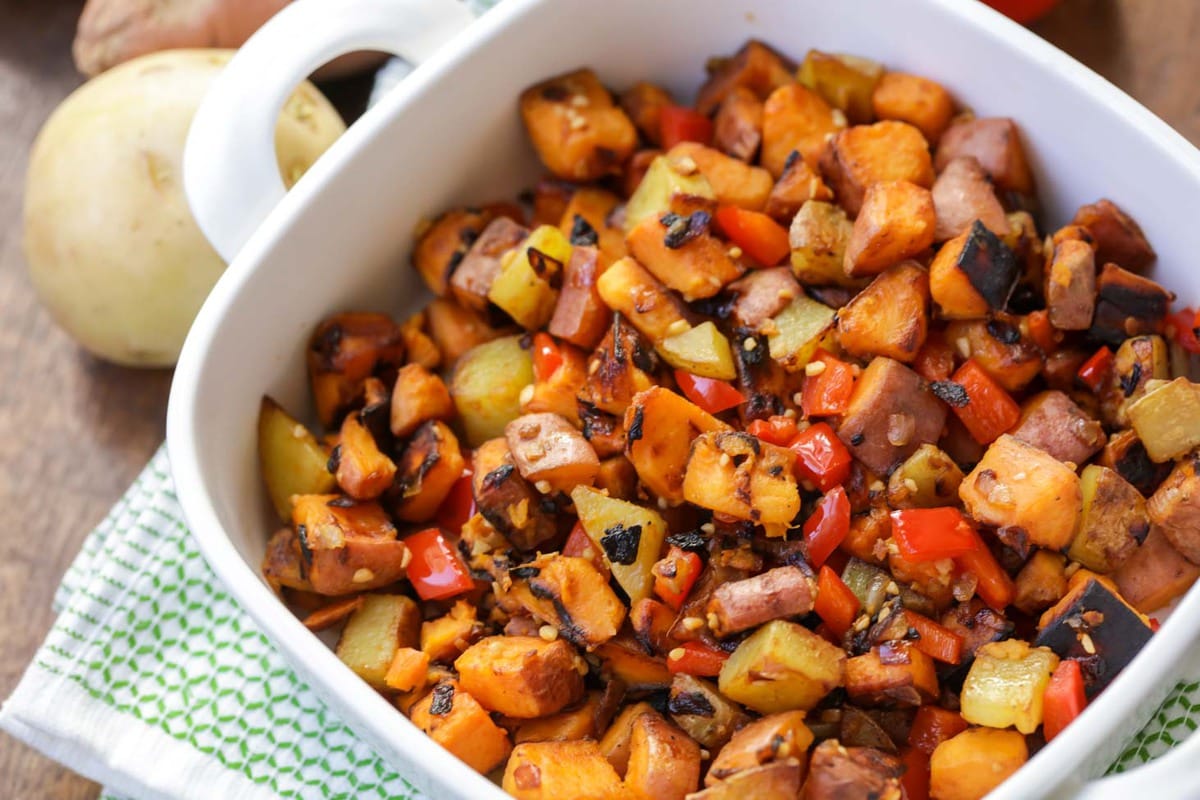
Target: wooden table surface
[74,431]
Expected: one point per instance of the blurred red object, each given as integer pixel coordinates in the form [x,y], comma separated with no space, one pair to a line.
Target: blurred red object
[1023,11]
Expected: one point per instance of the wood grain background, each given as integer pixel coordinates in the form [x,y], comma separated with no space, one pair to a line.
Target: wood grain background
[74,431]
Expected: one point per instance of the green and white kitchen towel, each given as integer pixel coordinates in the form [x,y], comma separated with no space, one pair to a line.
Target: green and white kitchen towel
[154,683]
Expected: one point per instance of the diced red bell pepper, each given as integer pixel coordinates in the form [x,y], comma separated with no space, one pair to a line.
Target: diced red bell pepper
[547,357]
[821,457]
[675,575]
[681,124]
[933,725]
[713,395]
[928,534]
[935,640]
[935,359]
[459,505]
[697,658]
[827,393]
[828,525]
[992,583]
[1041,331]
[776,430]
[1185,327]
[836,605]
[580,545]
[989,410]
[759,236]
[915,780]
[436,571]
[1064,699]
[1096,369]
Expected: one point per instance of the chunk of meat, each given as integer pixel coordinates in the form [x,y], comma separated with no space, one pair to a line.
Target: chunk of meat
[1051,421]
[962,194]
[891,414]
[777,593]
[851,773]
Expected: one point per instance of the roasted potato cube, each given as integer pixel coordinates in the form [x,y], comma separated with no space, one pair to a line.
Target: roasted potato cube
[571,594]
[1167,419]
[891,674]
[643,103]
[417,397]
[866,154]
[1137,361]
[629,535]
[292,460]
[1155,574]
[1071,286]
[628,289]
[667,188]
[819,236]
[524,286]
[614,374]
[733,182]
[762,294]
[553,770]
[798,184]
[962,194]
[1175,507]
[1051,421]
[995,142]
[896,222]
[1041,583]
[616,740]
[973,274]
[735,474]
[1126,455]
[455,330]
[782,666]
[347,547]
[580,316]
[971,764]
[999,347]
[842,773]
[737,129]
[682,253]
[577,131]
[771,739]
[920,102]
[794,334]
[545,447]
[1006,684]
[888,318]
[558,392]
[702,350]
[891,414]
[1113,523]
[487,385]
[774,594]
[1118,237]
[521,676]
[441,247]
[477,270]
[780,780]
[661,426]
[456,721]
[426,470]
[705,714]
[595,207]
[756,67]
[795,118]
[977,625]
[508,501]
[664,762]
[444,638]
[382,624]
[344,351]
[927,479]
[1026,490]
[363,471]
[846,82]
[1127,305]
[418,345]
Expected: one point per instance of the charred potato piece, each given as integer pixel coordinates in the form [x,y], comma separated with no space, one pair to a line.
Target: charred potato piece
[782,666]
[595,208]
[920,102]
[1071,286]
[1113,523]
[1137,361]
[1127,305]
[550,199]
[344,351]
[733,182]
[999,347]
[661,426]
[866,154]
[896,222]
[737,129]
[580,316]
[973,274]
[735,474]
[1118,237]
[615,371]
[442,246]
[1051,421]
[888,318]
[927,479]
[572,595]
[525,285]
[680,252]
[977,625]
[1175,507]
[546,447]
[762,380]
[846,82]
[426,470]
[577,131]
[643,103]
[795,118]
[292,460]
[521,676]
[705,714]
[630,536]
[962,194]
[798,184]
[345,546]
[756,67]
[1126,455]
[1041,583]
[995,142]
[819,236]
[507,500]
[794,334]
[477,270]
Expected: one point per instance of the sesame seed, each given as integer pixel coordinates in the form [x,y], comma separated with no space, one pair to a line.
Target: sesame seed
[877,486]
[735,252]
[725,460]
[892,588]
[862,623]
[543,486]
[363,575]
[298,431]
[797,398]
[692,623]
[708,528]
[594,367]
[677,327]
[814,368]
[676,654]
[705,755]
[663,504]
[548,633]
[526,394]
[713,622]
[749,343]
[911,485]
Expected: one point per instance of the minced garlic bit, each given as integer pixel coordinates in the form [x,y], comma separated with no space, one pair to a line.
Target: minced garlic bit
[677,327]
[579,100]
[406,559]
[708,528]
[543,486]
[964,346]
[685,165]
[749,343]
[892,588]
[692,623]
[790,413]
[911,485]
[363,575]
[663,504]
[735,252]
[577,123]
[676,654]
[798,398]
[862,623]
[725,460]
[814,368]
[298,431]
[526,394]
[548,632]
[713,622]
[877,486]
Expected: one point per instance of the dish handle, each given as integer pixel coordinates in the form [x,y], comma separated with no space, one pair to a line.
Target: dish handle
[229,167]
[1175,774]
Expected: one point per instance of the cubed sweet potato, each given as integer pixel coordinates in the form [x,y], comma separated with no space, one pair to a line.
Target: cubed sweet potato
[891,414]
[736,474]
[1051,421]
[643,102]
[1041,583]
[796,118]
[580,316]
[798,184]
[344,351]
[381,625]
[865,154]
[1071,286]
[1118,237]
[595,207]
[841,773]
[995,142]
[891,674]
[998,346]
[775,594]
[1155,574]
[664,762]
[455,329]
[572,724]
[347,547]
[896,222]
[780,780]
[962,194]
[456,721]
[630,290]
[521,676]
[733,181]
[971,764]
[623,659]
[479,267]
[920,102]
[577,131]
[682,253]
[571,594]
[508,501]
[546,447]
[661,426]
[441,246]
[737,129]
[554,770]
[1139,360]
[707,715]
[756,67]
[417,397]
[1126,455]
[363,471]
[1113,523]
[558,392]
[616,740]
[430,464]
[888,318]
[771,739]
[973,274]
[614,374]
[1175,507]
[444,638]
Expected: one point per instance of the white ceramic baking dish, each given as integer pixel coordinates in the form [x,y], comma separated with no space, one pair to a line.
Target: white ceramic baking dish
[451,134]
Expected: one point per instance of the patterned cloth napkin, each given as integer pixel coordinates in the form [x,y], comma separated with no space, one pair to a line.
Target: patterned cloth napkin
[154,683]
